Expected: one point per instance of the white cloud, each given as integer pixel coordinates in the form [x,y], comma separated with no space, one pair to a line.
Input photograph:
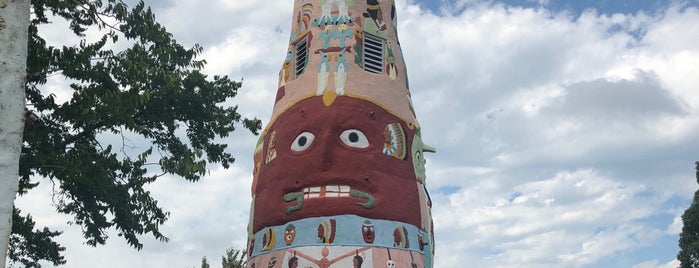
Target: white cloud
[655,264]
[525,94]
[206,218]
[572,219]
[676,227]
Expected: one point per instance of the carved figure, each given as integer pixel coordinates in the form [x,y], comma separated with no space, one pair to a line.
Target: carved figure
[327,6]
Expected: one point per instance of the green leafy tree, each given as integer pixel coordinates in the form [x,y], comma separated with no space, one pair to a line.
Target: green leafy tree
[205,263]
[234,258]
[152,90]
[689,238]
[33,244]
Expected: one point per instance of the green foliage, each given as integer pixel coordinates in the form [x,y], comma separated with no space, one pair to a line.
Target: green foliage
[205,263]
[234,258]
[33,245]
[689,238]
[152,90]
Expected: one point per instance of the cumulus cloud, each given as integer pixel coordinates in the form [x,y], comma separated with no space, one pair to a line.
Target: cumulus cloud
[522,96]
[655,264]
[206,217]
[572,219]
[676,227]
[633,100]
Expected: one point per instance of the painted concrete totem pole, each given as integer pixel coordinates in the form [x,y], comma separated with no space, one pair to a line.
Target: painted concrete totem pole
[339,178]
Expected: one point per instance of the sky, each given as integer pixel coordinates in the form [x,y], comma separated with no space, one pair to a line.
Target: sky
[565,130]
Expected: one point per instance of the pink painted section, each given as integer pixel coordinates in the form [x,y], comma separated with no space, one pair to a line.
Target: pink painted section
[389,92]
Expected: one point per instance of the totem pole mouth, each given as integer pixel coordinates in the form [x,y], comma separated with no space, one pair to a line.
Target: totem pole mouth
[327,191]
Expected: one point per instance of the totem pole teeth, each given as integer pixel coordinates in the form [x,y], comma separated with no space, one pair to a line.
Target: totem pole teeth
[326,191]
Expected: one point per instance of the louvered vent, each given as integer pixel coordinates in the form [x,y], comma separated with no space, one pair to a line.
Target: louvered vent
[373,53]
[301,50]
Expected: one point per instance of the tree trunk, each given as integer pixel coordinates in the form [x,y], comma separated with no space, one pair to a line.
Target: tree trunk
[14,22]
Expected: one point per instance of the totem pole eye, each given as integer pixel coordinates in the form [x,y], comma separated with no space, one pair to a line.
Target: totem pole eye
[302,141]
[354,138]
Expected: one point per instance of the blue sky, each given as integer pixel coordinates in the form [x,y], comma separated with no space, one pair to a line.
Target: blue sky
[602,6]
[566,130]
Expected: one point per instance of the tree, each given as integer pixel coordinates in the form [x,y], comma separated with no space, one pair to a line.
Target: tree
[234,258]
[14,19]
[205,263]
[153,90]
[689,238]
[33,244]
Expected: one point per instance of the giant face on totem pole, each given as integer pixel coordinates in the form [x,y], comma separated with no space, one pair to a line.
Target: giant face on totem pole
[339,178]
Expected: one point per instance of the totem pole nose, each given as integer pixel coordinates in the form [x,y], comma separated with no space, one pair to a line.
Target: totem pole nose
[327,148]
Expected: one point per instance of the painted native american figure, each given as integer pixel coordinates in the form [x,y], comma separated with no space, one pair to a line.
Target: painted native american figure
[339,177]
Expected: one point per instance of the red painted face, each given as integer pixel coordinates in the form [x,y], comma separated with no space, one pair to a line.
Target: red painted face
[368,232]
[332,161]
[289,236]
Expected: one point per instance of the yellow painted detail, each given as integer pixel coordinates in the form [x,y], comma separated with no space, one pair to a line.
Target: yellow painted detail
[329,97]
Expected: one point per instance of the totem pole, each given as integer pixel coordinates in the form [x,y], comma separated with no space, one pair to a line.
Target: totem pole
[339,177]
